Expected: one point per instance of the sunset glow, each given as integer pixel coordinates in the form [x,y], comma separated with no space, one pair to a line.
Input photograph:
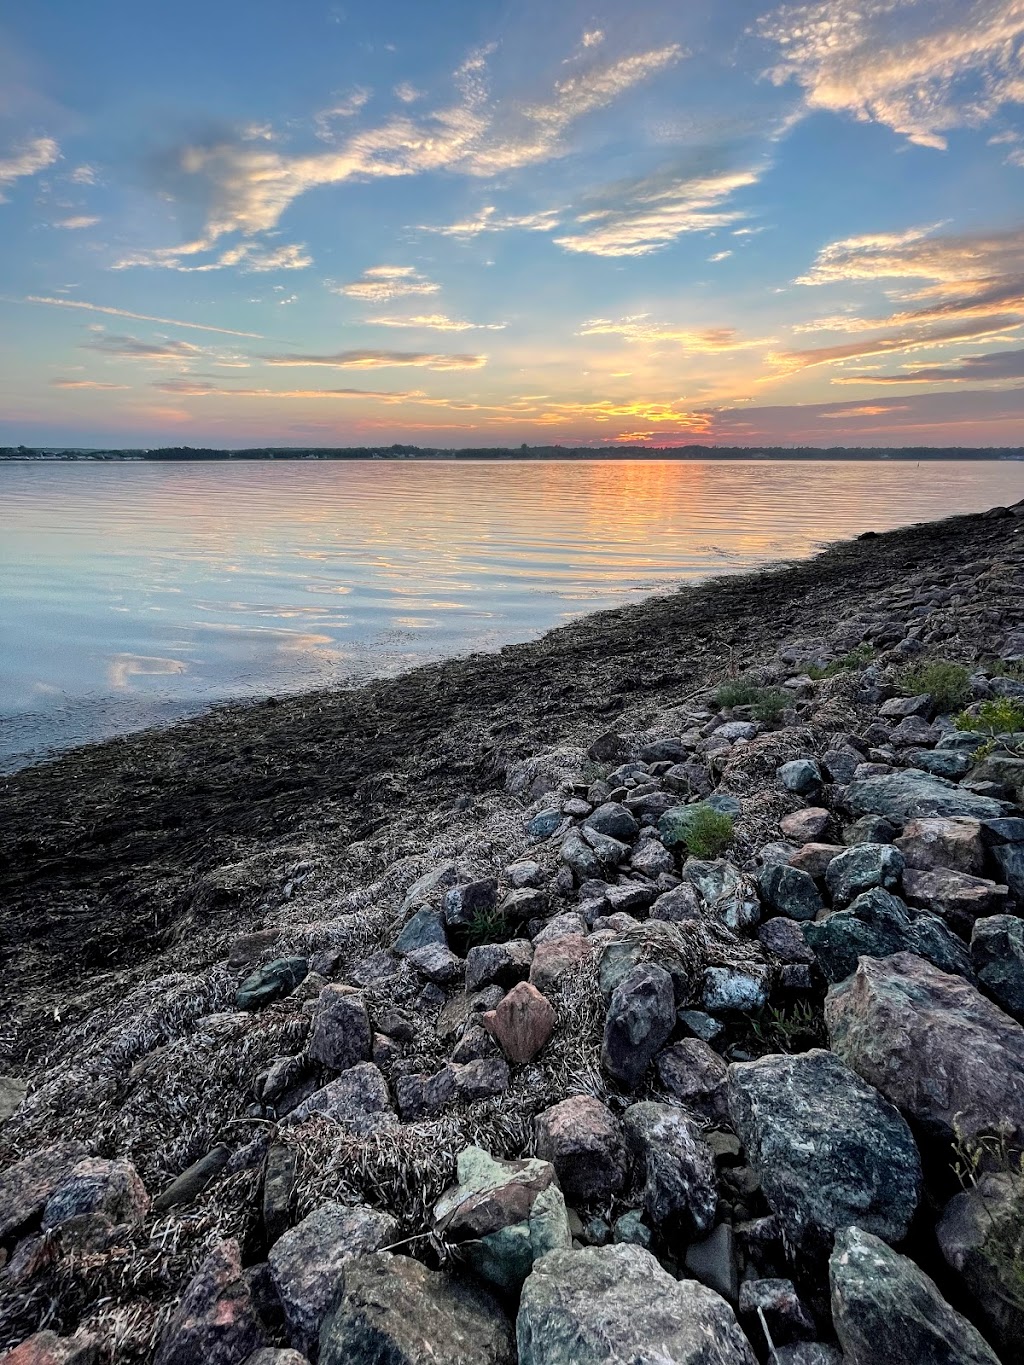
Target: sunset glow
[466,224]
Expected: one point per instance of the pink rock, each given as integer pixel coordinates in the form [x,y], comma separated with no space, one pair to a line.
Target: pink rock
[814,858]
[522,1023]
[804,826]
[215,1323]
[958,898]
[952,841]
[552,959]
[47,1348]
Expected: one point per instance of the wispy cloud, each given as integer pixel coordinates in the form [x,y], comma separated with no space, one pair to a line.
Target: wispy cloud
[641,216]
[83,175]
[85,384]
[998,365]
[27,159]
[407,93]
[249,257]
[188,386]
[719,256]
[435,322]
[921,67]
[639,328]
[347,106]
[137,317]
[490,220]
[381,283]
[75,223]
[891,343]
[379,360]
[134,348]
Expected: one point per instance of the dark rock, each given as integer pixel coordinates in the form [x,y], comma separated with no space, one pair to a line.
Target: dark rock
[801,776]
[712,1260]
[358,1099]
[828,1149]
[932,1045]
[608,748]
[583,1141]
[681,903]
[424,930]
[676,1166]
[615,1305]
[997,951]
[47,1348]
[525,873]
[878,924]
[271,1355]
[1009,861]
[580,858]
[1005,769]
[787,1318]
[697,1024]
[640,1019]
[695,1075]
[278,1190]
[307,1262]
[940,762]
[886,1309]
[438,964]
[785,938]
[545,823]
[398,1024]
[630,1229]
[94,1185]
[191,1183]
[1007,829]
[428,889]
[271,982]
[861,868]
[913,795]
[613,820]
[959,899]
[790,892]
[870,829]
[807,1353]
[215,1322]
[462,904]
[501,964]
[522,1023]
[341,1035]
[981,1235]
[392,1310]
[29,1184]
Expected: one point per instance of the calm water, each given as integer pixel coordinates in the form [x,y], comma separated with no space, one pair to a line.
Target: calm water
[133,594]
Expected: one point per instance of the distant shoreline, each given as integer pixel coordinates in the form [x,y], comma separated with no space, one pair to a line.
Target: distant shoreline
[538,454]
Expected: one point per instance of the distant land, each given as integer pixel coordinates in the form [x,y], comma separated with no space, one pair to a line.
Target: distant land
[523,452]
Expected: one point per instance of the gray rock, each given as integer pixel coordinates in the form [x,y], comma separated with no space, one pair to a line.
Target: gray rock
[1009,861]
[790,892]
[958,898]
[886,1309]
[728,894]
[94,1185]
[306,1263]
[192,1181]
[615,1305]
[713,1261]
[997,951]
[27,1185]
[358,1099]
[878,924]
[394,1311]
[828,1149]
[545,823]
[936,842]
[695,1075]
[912,795]
[525,873]
[941,762]
[278,1190]
[802,776]
[429,888]
[271,1355]
[640,1019]
[680,903]
[839,765]
[424,930]
[981,1235]
[778,1302]
[651,858]
[215,1322]
[480,1079]
[271,982]
[861,868]
[870,829]
[1007,770]
[582,1139]
[580,858]
[785,938]
[630,1228]
[933,1045]
[437,963]
[12,1091]
[676,1166]
[608,851]
[735,990]
[463,903]
[807,1353]
[341,1035]
[502,964]
[613,820]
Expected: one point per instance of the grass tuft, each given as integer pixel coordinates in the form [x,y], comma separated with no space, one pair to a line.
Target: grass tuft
[947,684]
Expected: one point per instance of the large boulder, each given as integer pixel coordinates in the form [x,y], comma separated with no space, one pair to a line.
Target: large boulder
[615,1305]
[862,867]
[341,1035]
[879,924]
[640,1019]
[997,951]
[828,1149]
[216,1322]
[981,1234]
[95,1185]
[911,794]
[954,842]
[884,1308]
[506,1213]
[28,1185]
[677,1168]
[933,1045]
[395,1311]
[358,1099]
[306,1263]
[582,1139]
[958,898]
[790,892]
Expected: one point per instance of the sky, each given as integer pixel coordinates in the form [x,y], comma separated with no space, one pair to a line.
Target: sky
[495,222]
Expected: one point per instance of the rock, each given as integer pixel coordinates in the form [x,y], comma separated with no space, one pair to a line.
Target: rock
[609,852]
[613,820]
[912,730]
[997,951]
[94,1185]
[806,825]
[525,873]
[912,795]
[358,1099]
[522,904]
[583,1141]
[425,929]
[807,1353]
[801,776]
[215,1322]
[840,765]
[861,868]
[462,904]
[695,1075]
[680,903]
[271,982]
[580,858]
[713,1261]
[431,887]
[785,938]
[954,843]
[735,990]
[870,829]
[341,1035]
[553,958]
[640,1019]
[545,823]
[437,963]
[777,1300]
[306,1263]
[651,858]
[697,1024]
[615,1305]
[1009,860]
[932,1044]
[790,892]
[278,1190]
[522,1023]
[609,748]
[885,1308]
[1007,770]
[12,1091]
[878,924]
[941,762]
[480,1079]
[394,1311]
[47,1348]
[501,964]
[192,1181]
[271,1355]
[505,1214]
[728,895]
[981,1235]
[959,899]
[558,926]
[676,1166]
[828,1149]
[631,1229]
[31,1182]
[676,825]
[815,858]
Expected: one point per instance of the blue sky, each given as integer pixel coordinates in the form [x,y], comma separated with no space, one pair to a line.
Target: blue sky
[491,223]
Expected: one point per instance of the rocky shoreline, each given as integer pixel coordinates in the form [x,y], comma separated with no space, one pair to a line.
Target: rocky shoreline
[650,992]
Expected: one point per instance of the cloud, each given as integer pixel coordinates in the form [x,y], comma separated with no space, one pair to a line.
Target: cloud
[646,215]
[137,317]
[187,386]
[134,348]
[381,283]
[998,365]
[28,159]
[593,37]
[886,345]
[250,258]
[347,107]
[378,360]
[84,384]
[82,221]
[407,93]
[638,327]
[436,322]
[83,175]
[719,256]
[920,67]
[490,220]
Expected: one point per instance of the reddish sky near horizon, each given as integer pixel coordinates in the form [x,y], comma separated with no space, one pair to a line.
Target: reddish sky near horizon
[468,224]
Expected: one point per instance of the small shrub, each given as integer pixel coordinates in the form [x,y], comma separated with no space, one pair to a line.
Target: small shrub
[947,684]
[793,1028]
[737,693]
[709,832]
[485,926]
[771,704]
[1002,716]
[999,668]
[859,657]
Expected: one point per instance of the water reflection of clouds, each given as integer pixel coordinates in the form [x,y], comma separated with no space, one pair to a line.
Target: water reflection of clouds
[121,668]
